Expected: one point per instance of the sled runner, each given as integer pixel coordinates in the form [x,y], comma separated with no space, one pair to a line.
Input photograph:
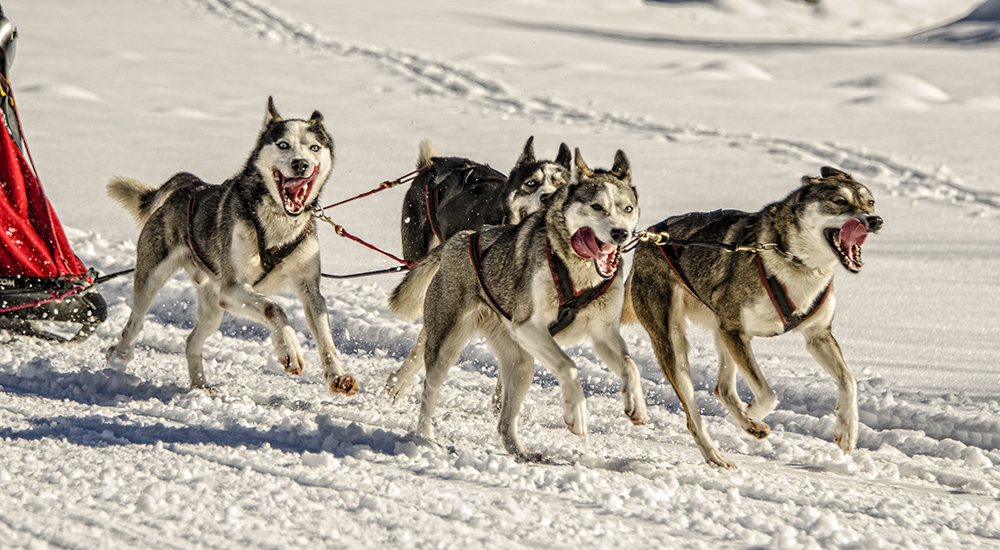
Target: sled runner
[45,290]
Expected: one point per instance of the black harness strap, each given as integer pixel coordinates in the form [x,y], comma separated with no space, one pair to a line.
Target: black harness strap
[269,257]
[783,304]
[191,242]
[477,255]
[569,308]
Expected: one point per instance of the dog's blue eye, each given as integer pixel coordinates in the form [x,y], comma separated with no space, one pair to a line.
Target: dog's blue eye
[282,145]
[314,147]
[628,209]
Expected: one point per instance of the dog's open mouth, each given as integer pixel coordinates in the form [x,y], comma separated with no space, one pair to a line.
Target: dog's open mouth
[605,255]
[847,241]
[295,191]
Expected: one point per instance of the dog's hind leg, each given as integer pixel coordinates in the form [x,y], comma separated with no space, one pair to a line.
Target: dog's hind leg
[671,349]
[611,349]
[319,324]
[207,321]
[400,382]
[825,349]
[151,273]
[659,307]
[445,340]
[735,350]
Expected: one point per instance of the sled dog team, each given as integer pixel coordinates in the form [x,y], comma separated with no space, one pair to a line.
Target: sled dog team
[530,261]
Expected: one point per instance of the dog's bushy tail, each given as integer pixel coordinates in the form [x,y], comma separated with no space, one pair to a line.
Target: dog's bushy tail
[139,199]
[628,312]
[427,152]
[407,300]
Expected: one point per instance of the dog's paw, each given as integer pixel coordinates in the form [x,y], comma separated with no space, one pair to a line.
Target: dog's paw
[425,428]
[345,384]
[397,387]
[845,432]
[575,417]
[757,429]
[205,388]
[294,363]
[635,410]
[116,359]
[717,459]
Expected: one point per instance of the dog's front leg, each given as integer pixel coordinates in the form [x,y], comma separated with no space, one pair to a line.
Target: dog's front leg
[535,338]
[241,300]
[319,325]
[611,349]
[825,349]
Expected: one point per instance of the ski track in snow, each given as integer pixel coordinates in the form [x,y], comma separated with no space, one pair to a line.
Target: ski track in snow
[453,80]
[347,460]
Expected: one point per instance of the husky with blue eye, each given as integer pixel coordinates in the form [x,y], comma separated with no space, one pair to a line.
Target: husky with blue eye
[240,242]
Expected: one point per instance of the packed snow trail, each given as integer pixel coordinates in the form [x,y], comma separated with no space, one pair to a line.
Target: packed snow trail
[449,79]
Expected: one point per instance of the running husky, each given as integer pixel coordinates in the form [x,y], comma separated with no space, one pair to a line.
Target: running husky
[784,255]
[250,237]
[455,194]
[527,289]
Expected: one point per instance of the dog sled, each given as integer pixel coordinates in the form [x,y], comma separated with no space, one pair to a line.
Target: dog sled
[45,290]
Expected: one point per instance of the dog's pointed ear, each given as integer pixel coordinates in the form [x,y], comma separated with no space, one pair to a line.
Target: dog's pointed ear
[809,180]
[582,170]
[565,156]
[272,113]
[528,154]
[621,169]
[316,118]
[830,172]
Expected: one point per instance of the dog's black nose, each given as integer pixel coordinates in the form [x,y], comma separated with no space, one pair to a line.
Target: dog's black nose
[874,224]
[619,235]
[301,167]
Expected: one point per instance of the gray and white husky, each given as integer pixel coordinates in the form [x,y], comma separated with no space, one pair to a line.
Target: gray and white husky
[776,277]
[250,237]
[455,194]
[528,289]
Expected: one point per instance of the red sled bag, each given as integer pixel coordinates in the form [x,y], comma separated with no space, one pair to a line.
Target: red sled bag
[45,290]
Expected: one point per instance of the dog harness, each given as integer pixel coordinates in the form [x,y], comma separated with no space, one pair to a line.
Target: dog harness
[570,302]
[269,257]
[783,303]
[775,288]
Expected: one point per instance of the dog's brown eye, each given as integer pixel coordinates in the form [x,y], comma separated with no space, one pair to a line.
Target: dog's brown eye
[840,201]
[871,203]
[597,207]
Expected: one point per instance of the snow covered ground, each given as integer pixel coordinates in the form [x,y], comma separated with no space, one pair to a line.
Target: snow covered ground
[718,103]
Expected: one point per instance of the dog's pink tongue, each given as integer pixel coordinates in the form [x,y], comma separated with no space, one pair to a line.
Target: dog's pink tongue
[296,190]
[585,244]
[852,233]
